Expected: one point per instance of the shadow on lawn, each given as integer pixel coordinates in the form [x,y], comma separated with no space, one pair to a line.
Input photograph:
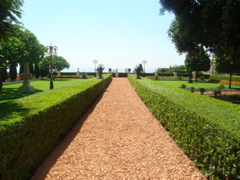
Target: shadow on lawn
[12,93]
[10,109]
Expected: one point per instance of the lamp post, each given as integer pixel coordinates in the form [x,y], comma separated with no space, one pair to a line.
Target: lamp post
[144,62]
[51,50]
[95,62]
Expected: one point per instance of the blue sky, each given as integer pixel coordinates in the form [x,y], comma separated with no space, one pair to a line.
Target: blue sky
[119,34]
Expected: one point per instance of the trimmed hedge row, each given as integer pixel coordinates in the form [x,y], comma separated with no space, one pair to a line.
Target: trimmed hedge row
[36,128]
[207,129]
[74,73]
[224,77]
[120,74]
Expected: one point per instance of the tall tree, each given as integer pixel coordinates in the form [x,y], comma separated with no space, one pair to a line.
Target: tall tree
[58,64]
[197,61]
[8,54]
[31,51]
[197,22]
[21,48]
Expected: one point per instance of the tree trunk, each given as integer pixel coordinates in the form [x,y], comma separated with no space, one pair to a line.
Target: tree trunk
[230,81]
[37,71]
[196,77]
[4,74]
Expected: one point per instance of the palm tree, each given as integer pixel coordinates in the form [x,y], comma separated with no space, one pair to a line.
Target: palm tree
[10,11]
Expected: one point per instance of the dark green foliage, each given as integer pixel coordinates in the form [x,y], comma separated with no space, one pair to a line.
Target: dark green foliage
[141,67]
[120,74]
[198,61]
[84,75]
[183,86]
[9,16]
[202,90]
[31,68]
[208,131]
[37,123]
[13,71]
[57,63]
[4,74]
[196,25]
[1,84]
[192,88]
[37,71]
[21,68]
[202,77]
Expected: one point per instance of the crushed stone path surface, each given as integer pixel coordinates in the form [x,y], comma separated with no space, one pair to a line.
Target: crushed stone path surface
[118,138]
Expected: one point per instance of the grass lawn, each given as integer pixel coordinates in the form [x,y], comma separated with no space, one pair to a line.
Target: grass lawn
[10,91]
[199,84]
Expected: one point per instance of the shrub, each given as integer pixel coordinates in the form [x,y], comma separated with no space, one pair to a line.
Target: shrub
[192,88]
[215,92]
[202,77]
[183,86]
[202,90]
[84,75]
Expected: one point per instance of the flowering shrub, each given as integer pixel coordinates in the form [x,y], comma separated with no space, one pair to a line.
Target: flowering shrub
[72,76]
[233,82]
[213,80]
[67,76]
[225,81]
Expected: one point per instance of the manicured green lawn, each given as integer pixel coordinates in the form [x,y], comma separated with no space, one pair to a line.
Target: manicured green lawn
[199,84]
[10,91]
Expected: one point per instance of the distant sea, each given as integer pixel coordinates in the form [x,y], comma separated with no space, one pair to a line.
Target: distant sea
[105,70]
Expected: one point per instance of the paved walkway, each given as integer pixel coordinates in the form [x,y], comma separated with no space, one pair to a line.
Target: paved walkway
[118,138]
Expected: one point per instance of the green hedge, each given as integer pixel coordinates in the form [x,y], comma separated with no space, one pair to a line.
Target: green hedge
[224,77]
[75,73]
[207,129]
[38,122]
[120,74]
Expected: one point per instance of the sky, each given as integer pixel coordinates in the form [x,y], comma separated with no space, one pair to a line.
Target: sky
[118,34]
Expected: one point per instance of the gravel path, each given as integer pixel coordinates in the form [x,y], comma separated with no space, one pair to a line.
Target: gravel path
[118,138]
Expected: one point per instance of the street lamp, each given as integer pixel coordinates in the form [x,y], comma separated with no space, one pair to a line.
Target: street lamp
[51,50]
[95,62]
[144,62]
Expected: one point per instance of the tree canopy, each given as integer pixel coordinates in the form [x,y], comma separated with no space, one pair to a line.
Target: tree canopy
[197,62]
[214,25]
[31,51]
[58,64]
